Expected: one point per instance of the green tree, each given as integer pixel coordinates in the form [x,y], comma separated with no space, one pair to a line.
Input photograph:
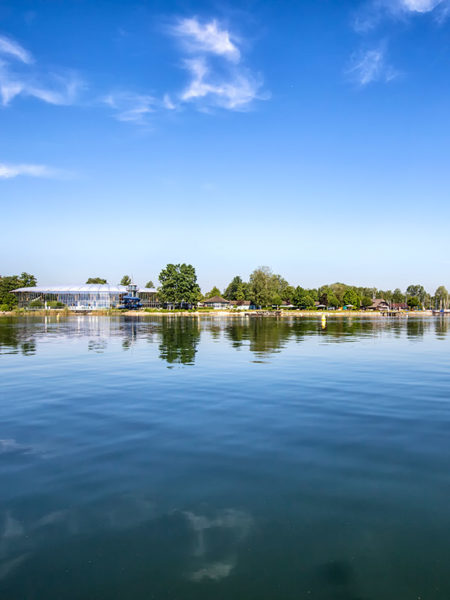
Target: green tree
[414,302]
[214,292]
[231,290]
[126,280]
[303,299]
[262,286]
[441,297]
[149,284]
[277,300]
[418,291]
[98,280]
[12,282]
[288,294]
[366,301]
[398,296]
[351,297]
[178,284]
[240,292]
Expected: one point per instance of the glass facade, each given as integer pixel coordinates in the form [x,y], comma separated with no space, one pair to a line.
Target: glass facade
[87,297]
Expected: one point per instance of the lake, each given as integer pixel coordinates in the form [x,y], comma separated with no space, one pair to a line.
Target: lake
[224,458]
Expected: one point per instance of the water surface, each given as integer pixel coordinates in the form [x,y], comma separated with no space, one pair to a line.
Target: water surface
[225,458]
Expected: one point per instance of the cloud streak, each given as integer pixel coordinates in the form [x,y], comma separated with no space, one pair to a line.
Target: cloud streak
[9,171]
[12,49]
[131,108]
[234,93]
[370,66]
[20,77]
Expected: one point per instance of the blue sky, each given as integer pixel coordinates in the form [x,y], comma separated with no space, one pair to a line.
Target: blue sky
[310,136]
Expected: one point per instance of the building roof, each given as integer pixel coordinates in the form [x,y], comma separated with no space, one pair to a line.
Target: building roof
[87,288]
[216,300]
[378,301]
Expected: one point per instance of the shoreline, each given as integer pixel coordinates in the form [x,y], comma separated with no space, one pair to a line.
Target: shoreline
[220,313]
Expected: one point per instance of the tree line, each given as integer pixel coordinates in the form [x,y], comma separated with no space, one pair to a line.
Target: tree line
[178,286]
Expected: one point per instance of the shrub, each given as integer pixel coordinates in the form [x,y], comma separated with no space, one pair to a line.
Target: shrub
[55,304]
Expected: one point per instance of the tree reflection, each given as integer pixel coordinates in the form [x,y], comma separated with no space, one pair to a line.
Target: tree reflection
[179,340]
[15,339]
[441,327]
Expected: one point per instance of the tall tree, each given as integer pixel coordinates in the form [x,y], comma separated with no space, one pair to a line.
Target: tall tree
[417,291]
[231,290]
[441,297]
[262,286]
[98,280]
[126,280]
[178,284]
[351,297]
[149,284]
[398,296]
[213,292]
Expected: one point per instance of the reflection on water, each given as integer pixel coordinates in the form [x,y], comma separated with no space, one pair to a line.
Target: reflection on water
[178,338]
[213,457]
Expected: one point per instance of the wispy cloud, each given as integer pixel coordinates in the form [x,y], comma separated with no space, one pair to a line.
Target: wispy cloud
[234,93]
[371,66]
[373,12]
[131,108]
[420,6]
[15,50]
[19,76]
[9,171]
[207,37]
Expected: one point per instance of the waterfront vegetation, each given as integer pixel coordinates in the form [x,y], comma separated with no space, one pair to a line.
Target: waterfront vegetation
[178,288]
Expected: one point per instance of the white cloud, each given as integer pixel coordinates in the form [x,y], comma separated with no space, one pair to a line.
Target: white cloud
[371,66]
[373,12]
[59,89]
[235,93]
[217,76]
[420,6]
[207,37]
[12,48]
[8,171]
[131,108]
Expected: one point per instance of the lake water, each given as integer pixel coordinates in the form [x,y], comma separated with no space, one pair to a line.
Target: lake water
[224,458]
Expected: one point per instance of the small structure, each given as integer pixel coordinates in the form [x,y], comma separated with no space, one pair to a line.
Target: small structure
[241,304]
[399,306]
[216,302]
[378,304]
[131,300]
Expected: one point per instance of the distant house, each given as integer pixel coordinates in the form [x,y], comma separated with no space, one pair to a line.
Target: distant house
[399,306]
[287,306]
[319,306]
[216,302]
[241,304]
[379,304]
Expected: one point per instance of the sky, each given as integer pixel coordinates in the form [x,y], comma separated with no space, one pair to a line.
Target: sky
[309,135]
